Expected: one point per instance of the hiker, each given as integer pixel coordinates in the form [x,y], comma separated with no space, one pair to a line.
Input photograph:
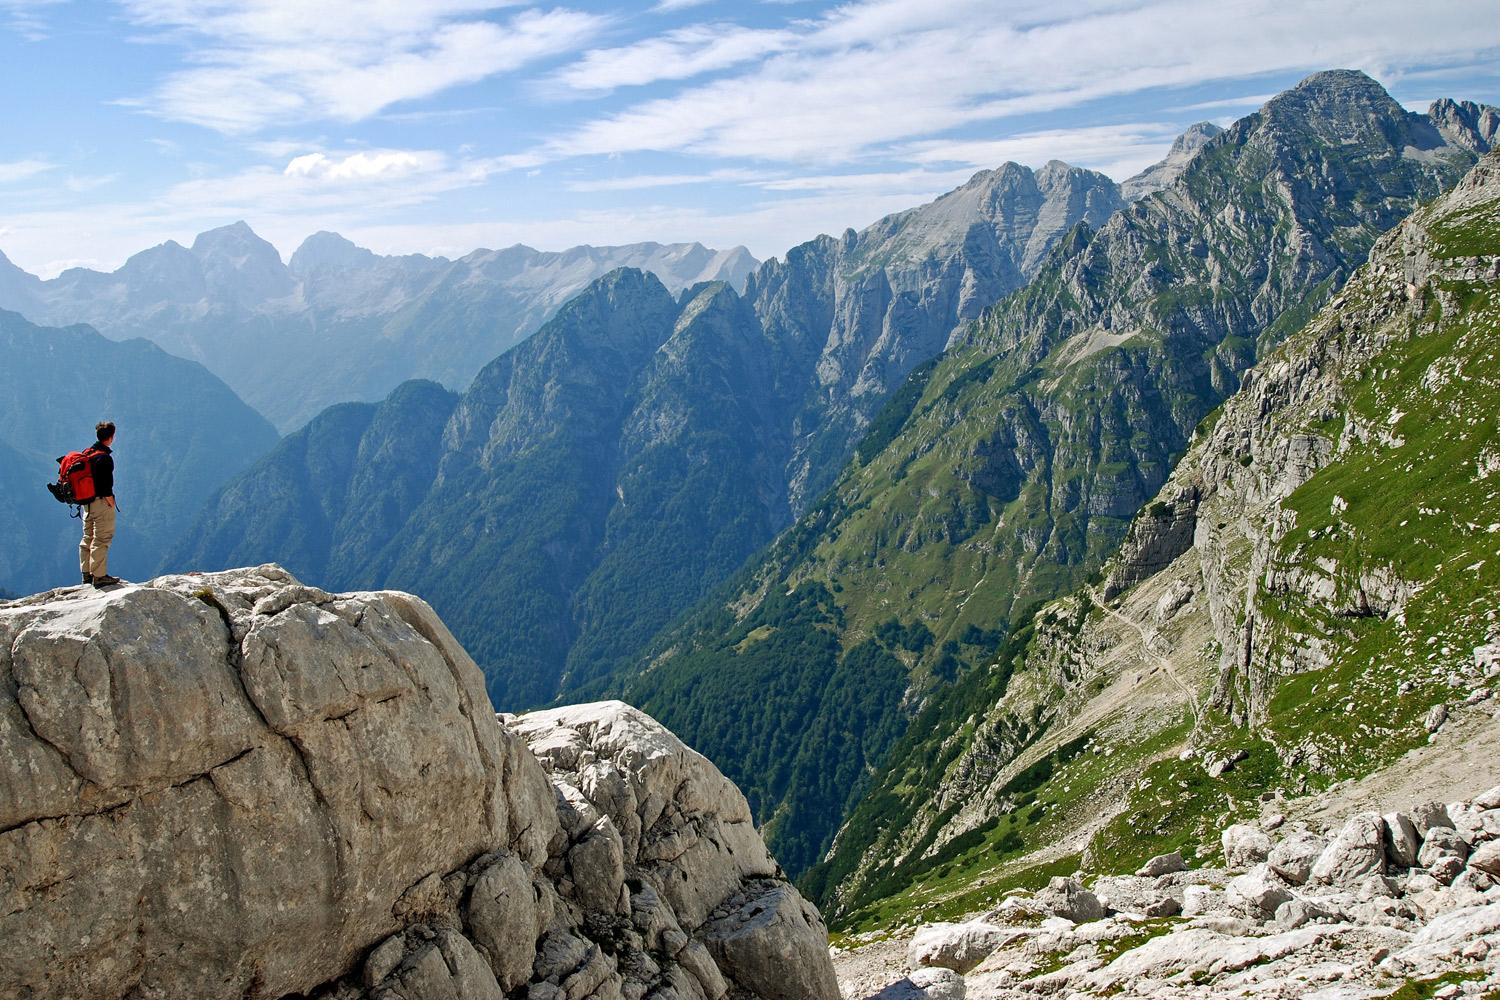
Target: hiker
[99,512]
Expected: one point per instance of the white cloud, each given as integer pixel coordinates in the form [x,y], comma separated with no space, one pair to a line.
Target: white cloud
[259,62]
[1248,101]
[883,71]
[383,165]
[80,183]
[677,55]
[20,170]
[27,17]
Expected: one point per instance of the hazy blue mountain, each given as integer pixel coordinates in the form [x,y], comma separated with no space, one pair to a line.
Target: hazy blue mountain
[182,435]
[602,476]
[338,322]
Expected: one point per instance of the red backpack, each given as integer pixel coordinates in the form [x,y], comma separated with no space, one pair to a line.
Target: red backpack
[75,477]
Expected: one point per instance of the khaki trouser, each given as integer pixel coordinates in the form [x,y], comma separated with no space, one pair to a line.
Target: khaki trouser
[98,532]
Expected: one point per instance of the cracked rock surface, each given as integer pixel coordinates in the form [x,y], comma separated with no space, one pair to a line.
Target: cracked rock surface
[234,785]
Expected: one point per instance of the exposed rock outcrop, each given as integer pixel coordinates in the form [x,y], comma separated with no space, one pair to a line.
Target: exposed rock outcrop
[1355,935]
[234,785]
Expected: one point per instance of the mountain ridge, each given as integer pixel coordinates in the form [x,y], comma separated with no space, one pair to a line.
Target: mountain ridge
[692,448]
[293,338]
[1020,458]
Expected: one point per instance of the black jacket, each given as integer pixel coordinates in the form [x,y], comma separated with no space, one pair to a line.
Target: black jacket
[102,463]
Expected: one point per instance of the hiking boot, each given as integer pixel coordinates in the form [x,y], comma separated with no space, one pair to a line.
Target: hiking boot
[88,578]
[105,581]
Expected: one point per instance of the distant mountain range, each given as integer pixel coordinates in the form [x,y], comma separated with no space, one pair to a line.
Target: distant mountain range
[602,476]
[182,434]
[337,322]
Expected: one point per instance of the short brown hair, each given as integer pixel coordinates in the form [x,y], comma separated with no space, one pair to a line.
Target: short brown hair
[104,430]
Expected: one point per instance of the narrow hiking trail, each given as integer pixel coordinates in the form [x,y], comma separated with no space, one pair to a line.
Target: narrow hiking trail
[1161,661]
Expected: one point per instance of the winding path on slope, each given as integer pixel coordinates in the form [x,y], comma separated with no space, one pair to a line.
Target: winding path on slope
[1161,661]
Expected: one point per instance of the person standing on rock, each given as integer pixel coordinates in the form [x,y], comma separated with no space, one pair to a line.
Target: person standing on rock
[99,513]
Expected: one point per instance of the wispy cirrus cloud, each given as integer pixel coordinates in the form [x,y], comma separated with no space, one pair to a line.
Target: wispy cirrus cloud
[20,170]
[385,165]
[254,63]
[865,75]
[676,55]
[28,18]
[641,182]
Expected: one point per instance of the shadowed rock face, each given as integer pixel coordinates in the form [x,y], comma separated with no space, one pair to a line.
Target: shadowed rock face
[233,785]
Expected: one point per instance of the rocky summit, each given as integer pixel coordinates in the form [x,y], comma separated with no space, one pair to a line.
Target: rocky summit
[235,785]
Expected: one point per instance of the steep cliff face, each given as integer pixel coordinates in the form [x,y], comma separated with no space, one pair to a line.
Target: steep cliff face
[233,785]
[870,306]
[1000,477]
[1310,596]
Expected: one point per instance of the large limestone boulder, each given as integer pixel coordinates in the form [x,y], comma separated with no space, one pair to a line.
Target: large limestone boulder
[1244,846]
[925,984]
[1358,850]
[1257,893]
[221,785]
[959,947]
[234,785]
[1293,858]
[1067,898]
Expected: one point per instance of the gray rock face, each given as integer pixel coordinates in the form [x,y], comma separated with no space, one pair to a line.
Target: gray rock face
[1293,858]
[1161,175]
[232,785]
[926,984]
[1257,893]
[1402,840]
[1067,898]
[1357,851]
[1442,842]
[193,785]
[1244,846]
[1163,864]
[959,947]
[1138,894]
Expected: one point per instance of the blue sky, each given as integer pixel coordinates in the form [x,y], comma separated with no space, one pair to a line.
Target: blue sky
[443,126]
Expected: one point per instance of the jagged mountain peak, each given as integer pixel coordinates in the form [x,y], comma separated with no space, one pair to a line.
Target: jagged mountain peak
[237,237]
[1195,137]
[1337,105]
[1473,126]
[326,249]
[1025,205]
[1161,174]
